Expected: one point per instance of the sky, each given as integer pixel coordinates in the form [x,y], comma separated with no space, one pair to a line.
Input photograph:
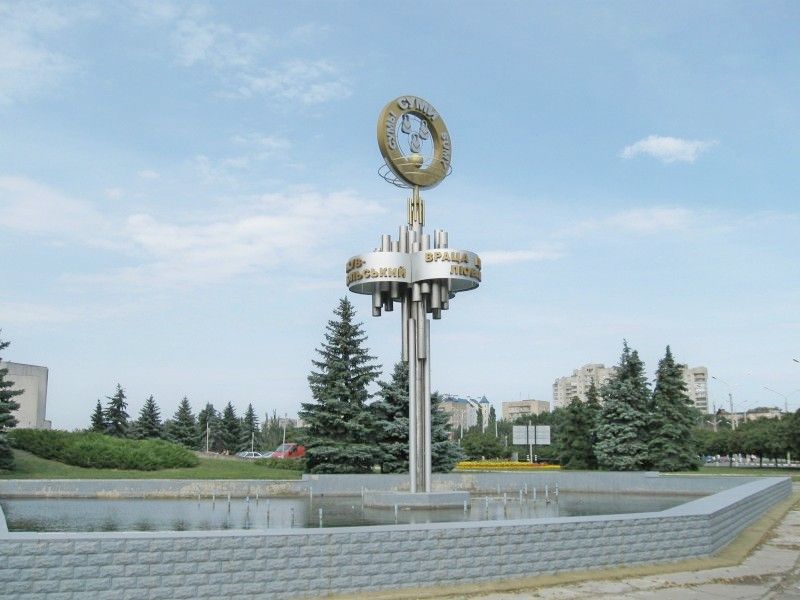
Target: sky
[181,185]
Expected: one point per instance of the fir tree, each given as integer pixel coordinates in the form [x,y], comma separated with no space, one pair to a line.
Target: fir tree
[673,416]
[231,430]
[208,424]
[338,435]
[622,431]
[250,433]
[445,453]
[576,429]
[98,420]
[149,425]
[115,416]
[391,427]
[7,420]
[182,428]
[492,417]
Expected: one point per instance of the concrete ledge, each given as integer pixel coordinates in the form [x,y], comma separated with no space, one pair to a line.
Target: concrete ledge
[422,500]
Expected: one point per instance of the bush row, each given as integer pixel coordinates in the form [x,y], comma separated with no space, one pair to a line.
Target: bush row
[98,451]
[287,464]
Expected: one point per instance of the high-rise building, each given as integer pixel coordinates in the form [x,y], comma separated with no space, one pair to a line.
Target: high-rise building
[32,380]
[523,408]
[696,379]
[578,384]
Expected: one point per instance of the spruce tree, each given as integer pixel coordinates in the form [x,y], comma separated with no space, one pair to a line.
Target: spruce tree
[149,425]
[208,424]
[576,428]
[391,427]
[671,446]
[98,420]
[250,435]
[231,430]
[115,416]
[339,436]
[445,453]
[7,420]
[622,430]
[182,428]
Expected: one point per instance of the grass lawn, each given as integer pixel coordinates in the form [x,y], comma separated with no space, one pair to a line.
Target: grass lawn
[747,471]
[30,466]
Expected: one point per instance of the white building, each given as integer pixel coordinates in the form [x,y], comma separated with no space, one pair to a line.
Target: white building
[523,408]
[33,400]
[577,384]
[463,412]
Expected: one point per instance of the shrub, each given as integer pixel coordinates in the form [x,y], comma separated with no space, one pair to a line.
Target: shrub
[287,464]
[98,451]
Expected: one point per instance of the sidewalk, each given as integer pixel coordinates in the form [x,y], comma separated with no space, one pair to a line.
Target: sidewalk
[771,571]
[763,563]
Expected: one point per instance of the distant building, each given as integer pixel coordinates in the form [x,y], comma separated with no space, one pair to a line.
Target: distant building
[696,380]
[463,412]
[577,384]
[523,408]
[33,400]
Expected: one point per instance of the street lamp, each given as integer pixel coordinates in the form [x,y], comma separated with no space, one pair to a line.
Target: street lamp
[784,396]
[730,398]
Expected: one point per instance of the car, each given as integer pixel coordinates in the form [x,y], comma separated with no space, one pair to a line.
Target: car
[251,455]
[289,450]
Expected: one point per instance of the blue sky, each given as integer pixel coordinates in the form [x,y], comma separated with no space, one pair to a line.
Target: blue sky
[181,184]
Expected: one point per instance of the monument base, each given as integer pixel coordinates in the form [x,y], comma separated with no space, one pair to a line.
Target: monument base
[422,500]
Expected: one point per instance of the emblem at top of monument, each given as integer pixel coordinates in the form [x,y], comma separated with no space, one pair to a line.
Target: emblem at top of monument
[414,142]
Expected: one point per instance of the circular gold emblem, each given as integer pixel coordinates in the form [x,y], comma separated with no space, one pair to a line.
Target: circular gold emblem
[414,142]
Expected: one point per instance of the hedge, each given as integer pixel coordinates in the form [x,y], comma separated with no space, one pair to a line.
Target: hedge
[98,451]
[287,464]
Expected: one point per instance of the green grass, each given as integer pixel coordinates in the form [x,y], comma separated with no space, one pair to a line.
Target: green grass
[744,472]
[30,466]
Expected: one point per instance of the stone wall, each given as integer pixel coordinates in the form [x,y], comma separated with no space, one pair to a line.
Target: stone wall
[283,564]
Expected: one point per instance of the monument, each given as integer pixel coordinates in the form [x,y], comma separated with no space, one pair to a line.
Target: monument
[418,271]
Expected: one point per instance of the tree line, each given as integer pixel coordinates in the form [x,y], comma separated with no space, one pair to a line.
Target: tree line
[222,432]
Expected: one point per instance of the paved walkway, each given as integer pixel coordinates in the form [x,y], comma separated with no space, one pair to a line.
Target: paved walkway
[770,572]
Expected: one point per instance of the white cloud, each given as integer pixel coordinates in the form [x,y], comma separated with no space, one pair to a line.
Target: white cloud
[114,193]
[307,82]
[30,207]
[28,66]
[667,149]
[263,144]
[148,174]
[263,233]
[215,45]
[506,257]
[640,221]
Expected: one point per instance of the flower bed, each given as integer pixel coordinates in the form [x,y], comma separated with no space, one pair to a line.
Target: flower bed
[503,465]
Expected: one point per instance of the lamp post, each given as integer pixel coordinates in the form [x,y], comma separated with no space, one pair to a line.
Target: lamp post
[730,398]
[784,396]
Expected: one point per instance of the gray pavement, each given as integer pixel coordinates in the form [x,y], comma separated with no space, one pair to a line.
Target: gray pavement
[770,572]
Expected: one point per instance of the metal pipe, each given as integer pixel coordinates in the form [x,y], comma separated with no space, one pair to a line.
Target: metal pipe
[412,397]
[428,418]
[406,302]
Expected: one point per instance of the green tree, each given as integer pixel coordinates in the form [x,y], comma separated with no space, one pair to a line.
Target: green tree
[576,430]
[98,419]
[182,428]
[445,453]
[478,444]
[672,416]
[149,425]
[250,432]
[390,413]
[7,420]
[338,435]
[622,427]
[209,426]
[271,431]
[492,417]
[115,416]
[231,429]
